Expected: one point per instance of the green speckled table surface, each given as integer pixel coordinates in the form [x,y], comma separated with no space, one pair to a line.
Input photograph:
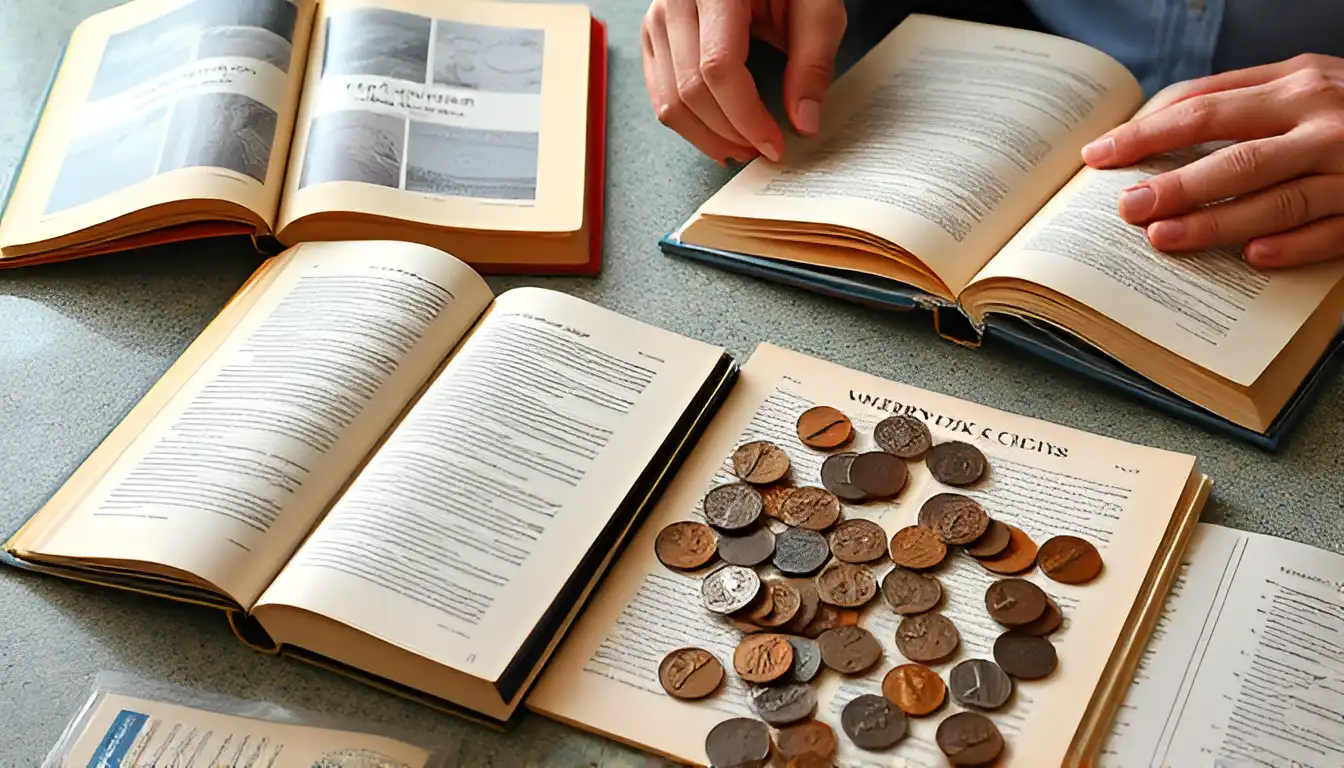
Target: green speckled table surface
[81,342]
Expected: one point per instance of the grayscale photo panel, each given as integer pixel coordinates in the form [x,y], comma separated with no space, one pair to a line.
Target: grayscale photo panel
[488,58]
[221,130]
[374,41]
[353,145]
[467,162]
[108,161]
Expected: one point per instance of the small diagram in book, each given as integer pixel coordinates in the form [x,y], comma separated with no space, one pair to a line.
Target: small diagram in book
[353,145]
[469,162]
[376,41]
[487,58]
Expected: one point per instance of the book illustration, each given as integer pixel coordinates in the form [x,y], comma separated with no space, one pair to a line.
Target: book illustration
[465,162]
[247,42]
[377,41]
[109,159]
[221,130]
[358,758]
[354,145]
[488,58]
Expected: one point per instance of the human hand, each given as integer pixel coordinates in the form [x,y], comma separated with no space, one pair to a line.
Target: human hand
[1279,189]
[695,69]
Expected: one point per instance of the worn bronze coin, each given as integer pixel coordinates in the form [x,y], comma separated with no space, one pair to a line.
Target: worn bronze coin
[1047,624]
[784,704]
[763,658]
[835,477]
[760,462]
[1069,560]
[739,742]
[743,626]
[809,600]
[690,673]
[829,617]
[858,541]
[806,659]
[873,723]
[992,542]
[773,496]
[962,522]
[904,436]
[784,603]
[823,428]
[1017,557]
[969,739]
[800,552]
[879,474]
[810,507]
[733,507]
[915,546]
[846,585]
[758,608]
[849,650]
[956,463]
[729,588]
[750,548]
[1014,602]
[1026,657]
[933,507]
[685,545]
[979,684]
[909,592]
[812,738]
[915,688]
[927,637]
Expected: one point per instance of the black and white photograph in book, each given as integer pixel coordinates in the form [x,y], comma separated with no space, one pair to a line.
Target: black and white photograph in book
[220,130]
[109,160]
[488,58]
[375,41]
[353,145]
[468,162]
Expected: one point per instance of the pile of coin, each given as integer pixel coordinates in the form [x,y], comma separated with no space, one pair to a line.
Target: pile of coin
[807,617]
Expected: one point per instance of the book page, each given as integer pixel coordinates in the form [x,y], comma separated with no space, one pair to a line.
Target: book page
[1045,479]
[944,140]
[1247,663]
[161,101]
[467,114]
[245,451]
[461,530]
[1209,307]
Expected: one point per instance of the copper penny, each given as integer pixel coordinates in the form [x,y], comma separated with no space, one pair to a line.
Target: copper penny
[915,688]
[956,463]
[829,617]
[810,761]
[690,673]
[749,548]
[745,627]
[760,462]
[846,585]
[1018,556]
[810,737]
[835,477]
[962,522]
[909,592]
[1026,657]
[992,542]
[858,541]
[773,496]
[934,506]
[1047,624]
[1014,602]
[879,474]
[979,684]
[810,507]
[759,607]
[762,658]
[785,602]
[904,436]
[740,742]
[823,428]
[685,545]
[809,602]
[1069,560]
[915,546]
[849,650]
[733,507]
[969,739]
[927,638]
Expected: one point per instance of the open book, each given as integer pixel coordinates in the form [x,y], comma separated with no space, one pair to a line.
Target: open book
[372,463]
[1138,505]
[476,127]
[948,176]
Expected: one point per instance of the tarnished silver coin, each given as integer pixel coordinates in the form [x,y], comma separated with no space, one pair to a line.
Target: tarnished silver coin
[729,588]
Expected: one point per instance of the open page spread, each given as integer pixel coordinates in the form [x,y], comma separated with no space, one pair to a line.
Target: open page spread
[245,450]
[944,140]
[1045,479]
[1246,666]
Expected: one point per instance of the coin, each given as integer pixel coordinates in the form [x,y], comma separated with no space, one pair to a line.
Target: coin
[1019,556]
[690,673]
[809,761]
[750,548]
[1014,602]
[909,593]
[784,603]
[849,650]
[933,507]
[1047,624]
[823,427]
[810,507]
[745,627]
[915,688]
[739,742]
[879,474]
[858,541]
[915,546]
[961,522]
[904,436]
[872,722]
[1069,560]
[809,600]
[758,608]
[992,542]
[846,585]
[969,739]
[729,588]
[773,496]
[927,638]
[956,463]
[685,545]
[1026,657]
[784,704]
[835,477]
[733,507]
[979,683]
[799,552]
[829,617]
[807,739]
[806,659]
[762,658]
[760,462]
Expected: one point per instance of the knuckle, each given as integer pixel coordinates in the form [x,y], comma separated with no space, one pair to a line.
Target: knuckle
[1198,113]
[1292,204]
[1244,159]
[670,113]
[1311,81]
[691,87]
[716,67]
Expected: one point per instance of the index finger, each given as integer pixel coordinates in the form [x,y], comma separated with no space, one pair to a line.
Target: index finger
[725,36]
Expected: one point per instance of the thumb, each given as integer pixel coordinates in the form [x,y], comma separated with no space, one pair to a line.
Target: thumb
[814,31]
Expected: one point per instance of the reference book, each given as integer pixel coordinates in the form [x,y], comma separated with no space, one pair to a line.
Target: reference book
[372,463]
[948,177]
[476,127]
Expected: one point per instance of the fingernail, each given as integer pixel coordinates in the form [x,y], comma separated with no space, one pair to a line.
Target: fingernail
[809,116]
[1260,253]
[1169,232]
[1136,204]
[770,151]
[1099,151]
